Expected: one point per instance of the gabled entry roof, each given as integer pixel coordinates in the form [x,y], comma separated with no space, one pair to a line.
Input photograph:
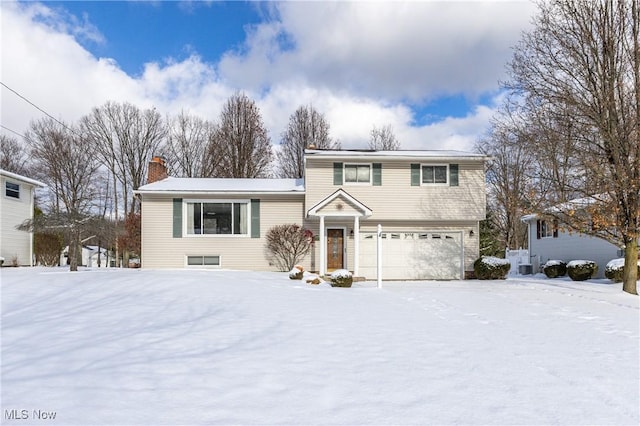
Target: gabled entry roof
[359,209]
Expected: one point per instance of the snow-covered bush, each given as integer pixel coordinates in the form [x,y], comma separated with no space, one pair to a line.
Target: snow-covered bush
[341,278]
[615,269]
[491,268]
[581,270]
[296,273]
[555,268]
[287,245]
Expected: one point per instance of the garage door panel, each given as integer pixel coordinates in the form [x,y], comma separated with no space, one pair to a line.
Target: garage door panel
[413,255]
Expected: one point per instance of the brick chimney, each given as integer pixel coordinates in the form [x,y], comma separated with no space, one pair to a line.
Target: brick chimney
[157,170]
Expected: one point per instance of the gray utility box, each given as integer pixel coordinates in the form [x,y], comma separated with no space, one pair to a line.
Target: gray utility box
[525,269]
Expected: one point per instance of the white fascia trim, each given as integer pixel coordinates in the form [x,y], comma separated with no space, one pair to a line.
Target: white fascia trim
[24,179]
[313,211]
[219,193]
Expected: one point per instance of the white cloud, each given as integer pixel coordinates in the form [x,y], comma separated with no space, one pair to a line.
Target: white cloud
[354,62]
[50,68]
[399,50]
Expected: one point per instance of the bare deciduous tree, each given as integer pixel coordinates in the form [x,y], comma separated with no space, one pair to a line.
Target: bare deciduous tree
[307,128]
[13,155]
[581,66]
[240,144]
[383,139]
[125,138]
[59,154]
[186,147]
[508,178]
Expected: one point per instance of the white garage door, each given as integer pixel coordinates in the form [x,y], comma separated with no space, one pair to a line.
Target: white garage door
[413,255]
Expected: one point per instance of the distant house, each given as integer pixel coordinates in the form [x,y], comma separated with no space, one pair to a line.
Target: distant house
[548,241]
[16,206]
[92,257]
[429,204]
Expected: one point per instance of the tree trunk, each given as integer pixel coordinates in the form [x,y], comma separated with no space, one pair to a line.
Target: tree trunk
[74,243]
[630,274]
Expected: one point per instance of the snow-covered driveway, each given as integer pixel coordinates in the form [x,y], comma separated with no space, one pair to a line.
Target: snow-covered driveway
[115,347]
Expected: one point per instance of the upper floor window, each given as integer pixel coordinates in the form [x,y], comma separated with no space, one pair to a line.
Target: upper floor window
[217,218]
[12,190]
[547,229]
[357,173]
[435,174]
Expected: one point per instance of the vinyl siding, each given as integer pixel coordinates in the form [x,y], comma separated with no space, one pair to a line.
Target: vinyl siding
[161,250]
[570,246]
[471,244]
[397,198]
[15,244]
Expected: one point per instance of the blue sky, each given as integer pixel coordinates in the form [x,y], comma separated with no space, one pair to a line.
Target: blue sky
[139,32]
[430,69]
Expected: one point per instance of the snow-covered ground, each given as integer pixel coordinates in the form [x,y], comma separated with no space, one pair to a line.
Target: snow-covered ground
[140,347]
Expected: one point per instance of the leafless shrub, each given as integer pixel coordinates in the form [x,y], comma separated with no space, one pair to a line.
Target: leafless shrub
[288,244]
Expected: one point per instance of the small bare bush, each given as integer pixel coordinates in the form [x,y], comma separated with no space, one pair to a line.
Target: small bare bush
[288,244]
[47,249]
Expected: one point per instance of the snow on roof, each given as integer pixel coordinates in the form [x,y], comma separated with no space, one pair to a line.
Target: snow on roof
[207,185]
[430,154]
[575,204]
[22,178]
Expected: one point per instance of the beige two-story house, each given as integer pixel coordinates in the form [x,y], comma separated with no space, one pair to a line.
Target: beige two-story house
[428,203]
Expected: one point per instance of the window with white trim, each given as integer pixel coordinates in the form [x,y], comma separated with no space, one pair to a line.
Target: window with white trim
[12,190]
[357,173]
[217,218]
[435,174]
[546,229]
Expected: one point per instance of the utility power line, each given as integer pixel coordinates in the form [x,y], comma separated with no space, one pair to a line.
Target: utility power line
[36,107]
[13,131]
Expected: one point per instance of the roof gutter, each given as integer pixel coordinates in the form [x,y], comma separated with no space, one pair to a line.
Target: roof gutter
[206,192]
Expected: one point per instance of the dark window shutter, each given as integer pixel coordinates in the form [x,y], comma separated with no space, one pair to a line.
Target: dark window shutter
[377,174]
[453,175]
[177,218]
[255,218]
[538,229]
[415,175]
[337,173]
[555,228]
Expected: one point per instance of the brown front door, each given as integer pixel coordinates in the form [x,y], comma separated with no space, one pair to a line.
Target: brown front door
[335,249]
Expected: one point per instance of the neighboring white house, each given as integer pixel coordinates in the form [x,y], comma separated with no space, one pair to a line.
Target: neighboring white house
[16,206]
[92,257]
[548,241]
[429,204]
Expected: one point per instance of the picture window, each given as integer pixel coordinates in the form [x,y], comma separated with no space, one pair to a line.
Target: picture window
[217,218]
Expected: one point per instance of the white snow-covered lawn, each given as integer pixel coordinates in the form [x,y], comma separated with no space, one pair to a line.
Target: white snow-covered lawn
[140,347]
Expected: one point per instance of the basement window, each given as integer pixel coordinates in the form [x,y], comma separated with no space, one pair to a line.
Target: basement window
[208,261]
